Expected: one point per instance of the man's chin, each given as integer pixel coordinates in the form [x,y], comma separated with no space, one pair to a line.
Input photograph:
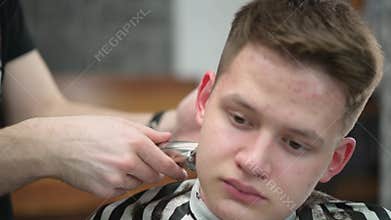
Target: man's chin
[232,210]
[229,209]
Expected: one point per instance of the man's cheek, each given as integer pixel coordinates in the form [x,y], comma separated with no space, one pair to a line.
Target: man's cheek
[298,186]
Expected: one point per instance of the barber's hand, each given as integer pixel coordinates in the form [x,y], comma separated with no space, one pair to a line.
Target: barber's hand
[103,155]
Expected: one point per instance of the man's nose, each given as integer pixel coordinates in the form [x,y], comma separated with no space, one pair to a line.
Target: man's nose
[255,159]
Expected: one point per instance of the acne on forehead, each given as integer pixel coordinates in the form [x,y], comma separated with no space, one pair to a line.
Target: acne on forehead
[301,78]
[308,87]
[312,85]
[320,93]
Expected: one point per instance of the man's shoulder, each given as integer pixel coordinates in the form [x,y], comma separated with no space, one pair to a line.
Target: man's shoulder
[322,206]
[161,192]
[174,187]
[142,199]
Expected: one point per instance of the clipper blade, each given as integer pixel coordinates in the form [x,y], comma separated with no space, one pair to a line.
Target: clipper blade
[183,152]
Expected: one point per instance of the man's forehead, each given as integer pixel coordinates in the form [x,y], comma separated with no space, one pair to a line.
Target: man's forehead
[275,71]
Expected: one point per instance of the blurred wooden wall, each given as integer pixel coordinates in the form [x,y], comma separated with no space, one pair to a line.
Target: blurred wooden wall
[358,4]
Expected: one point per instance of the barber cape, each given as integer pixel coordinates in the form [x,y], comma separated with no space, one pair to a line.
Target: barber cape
[182,200]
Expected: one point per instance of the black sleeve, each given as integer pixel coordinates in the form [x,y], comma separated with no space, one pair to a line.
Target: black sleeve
[6,208]
[15,38]
[14,41]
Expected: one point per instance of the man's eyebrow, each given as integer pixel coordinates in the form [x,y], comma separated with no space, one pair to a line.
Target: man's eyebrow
[238,100]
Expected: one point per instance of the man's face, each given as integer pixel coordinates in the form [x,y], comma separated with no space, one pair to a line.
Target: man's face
[270,132]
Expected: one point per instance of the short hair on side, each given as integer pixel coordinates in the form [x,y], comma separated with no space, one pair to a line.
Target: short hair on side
[327,33]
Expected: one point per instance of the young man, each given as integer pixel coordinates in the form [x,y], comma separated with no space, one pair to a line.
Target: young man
[293,78]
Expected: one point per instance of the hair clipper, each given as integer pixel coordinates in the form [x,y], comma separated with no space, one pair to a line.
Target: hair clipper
[183,153]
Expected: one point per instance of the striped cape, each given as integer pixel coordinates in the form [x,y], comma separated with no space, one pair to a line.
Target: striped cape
[172,202]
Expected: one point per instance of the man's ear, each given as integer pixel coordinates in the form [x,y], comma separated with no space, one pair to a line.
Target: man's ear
[204,91]
[341,156]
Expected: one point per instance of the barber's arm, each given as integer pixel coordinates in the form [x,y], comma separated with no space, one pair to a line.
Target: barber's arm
[30,91]
[101,154]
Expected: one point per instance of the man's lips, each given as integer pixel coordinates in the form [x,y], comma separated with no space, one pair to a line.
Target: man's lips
[242,191]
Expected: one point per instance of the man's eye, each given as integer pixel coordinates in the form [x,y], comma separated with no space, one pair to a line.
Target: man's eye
[239,120]
[293,144]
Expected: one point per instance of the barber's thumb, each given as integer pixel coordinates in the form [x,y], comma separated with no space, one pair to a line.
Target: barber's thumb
[158,136]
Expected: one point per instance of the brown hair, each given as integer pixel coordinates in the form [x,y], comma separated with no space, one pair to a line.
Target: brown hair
[328,33]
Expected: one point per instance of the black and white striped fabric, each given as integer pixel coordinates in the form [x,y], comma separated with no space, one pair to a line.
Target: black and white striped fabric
[171,201]
[181,201]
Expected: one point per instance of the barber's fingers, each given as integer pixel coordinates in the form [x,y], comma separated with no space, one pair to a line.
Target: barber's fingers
[160,162]
[143,172]
[154,135]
